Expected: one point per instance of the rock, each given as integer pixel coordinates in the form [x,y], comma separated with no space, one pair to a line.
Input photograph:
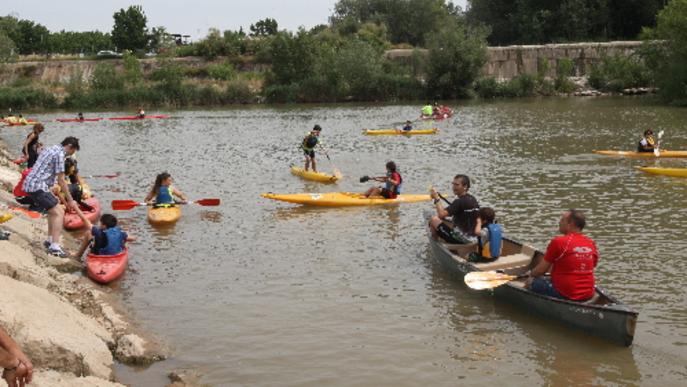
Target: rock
[185,378]
[51,378]
[132,349]
[53,332]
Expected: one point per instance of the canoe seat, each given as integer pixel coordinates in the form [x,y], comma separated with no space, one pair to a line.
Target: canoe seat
[506,262]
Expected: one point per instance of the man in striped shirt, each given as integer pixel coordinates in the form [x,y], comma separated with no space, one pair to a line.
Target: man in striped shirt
[49,168]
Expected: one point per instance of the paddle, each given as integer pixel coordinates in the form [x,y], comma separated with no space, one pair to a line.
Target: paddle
[129,204]
[364,179]
[431,187]
[480,280]
[337,172]
[657,153]
[103,176]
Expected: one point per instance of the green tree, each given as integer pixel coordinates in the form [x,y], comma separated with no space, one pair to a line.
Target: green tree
[105,77]
[160,40]
[264,27]
[667,57]
[7,48]
[456,56]
[129,31]
[132,68]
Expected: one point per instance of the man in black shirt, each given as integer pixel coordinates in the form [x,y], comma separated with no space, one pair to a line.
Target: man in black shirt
[463,212]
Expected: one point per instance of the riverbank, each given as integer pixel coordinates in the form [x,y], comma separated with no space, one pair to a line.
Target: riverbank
[72,330]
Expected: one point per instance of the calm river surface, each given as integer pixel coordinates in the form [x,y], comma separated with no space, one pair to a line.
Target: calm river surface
[262,293]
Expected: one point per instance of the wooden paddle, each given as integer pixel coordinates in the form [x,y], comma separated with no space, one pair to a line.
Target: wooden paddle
[129,204]
[657,152]
[480,280]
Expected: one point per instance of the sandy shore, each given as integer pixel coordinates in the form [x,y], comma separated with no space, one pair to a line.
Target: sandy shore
[72,330]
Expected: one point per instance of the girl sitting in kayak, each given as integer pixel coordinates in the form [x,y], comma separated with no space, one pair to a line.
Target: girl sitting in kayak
[163,193]
[107,239]
[393,181]
[76,185]
[30,147]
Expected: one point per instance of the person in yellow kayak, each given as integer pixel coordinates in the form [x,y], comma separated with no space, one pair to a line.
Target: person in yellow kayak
[408,126]
[30,147]
[162,194]
[310,141]
[648,142]
[392,183]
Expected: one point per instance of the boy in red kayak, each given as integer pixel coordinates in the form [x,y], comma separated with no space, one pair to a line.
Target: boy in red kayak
[107,238]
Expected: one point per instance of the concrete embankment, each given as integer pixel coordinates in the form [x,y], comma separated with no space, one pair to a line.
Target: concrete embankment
[72,330]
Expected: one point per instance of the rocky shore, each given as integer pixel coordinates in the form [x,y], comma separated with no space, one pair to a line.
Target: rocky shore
[72,330]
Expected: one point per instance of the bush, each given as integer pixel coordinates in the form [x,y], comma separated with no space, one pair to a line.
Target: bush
[26,98]
[222,72]
[617,73]
[488,87]
[239,91]
[105,77]
[564,69]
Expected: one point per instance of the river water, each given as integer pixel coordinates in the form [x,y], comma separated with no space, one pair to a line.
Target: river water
[262,293]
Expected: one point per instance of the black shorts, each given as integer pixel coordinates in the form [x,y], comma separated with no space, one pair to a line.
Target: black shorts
[309,153]
[388,194]
[44,199]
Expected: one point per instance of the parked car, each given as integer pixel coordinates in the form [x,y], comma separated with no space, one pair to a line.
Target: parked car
[108,54]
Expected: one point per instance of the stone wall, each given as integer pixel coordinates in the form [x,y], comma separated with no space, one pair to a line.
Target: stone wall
[505,63]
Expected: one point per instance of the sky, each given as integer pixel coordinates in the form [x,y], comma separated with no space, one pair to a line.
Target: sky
[185,17]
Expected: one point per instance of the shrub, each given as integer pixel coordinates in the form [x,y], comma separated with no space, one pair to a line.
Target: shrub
[222,72]
[26,98]
[564,69]
[105,77]
[616,73]
[488,87]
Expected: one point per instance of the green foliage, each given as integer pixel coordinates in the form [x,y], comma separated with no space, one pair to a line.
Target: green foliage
[564,69]
[28,37]
[667,58]
[264,27]
[132,68]
[222,72]
[407,21]
[456,57]
[105,77]
[160,41]
[215,45]
[129,31]
[68,42]
[615,73]
[26,98]
[169,75]
[7,49]
[537,21]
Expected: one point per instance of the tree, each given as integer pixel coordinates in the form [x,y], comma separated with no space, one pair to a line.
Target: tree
[456,56]
[667,58]
[160,40]
[264,27]
[129,31]
[7,48]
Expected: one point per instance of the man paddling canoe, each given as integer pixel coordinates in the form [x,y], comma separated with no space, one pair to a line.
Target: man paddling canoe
[648,142]
[571,258]
[464,211]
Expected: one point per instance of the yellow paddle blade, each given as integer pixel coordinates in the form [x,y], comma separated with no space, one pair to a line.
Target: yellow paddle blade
[338,174]
[480,280]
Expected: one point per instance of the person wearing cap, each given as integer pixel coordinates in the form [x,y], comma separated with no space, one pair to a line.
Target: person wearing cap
[648,142]
[310,141]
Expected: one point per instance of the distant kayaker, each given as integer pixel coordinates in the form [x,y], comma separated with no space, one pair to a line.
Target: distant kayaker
[310,141]
[50,168]
[489,237]
[392,183]
[648,142]
[141,113]
[464,211]
[30,146]
[162,194]
[571,259]
[427,111]
[107,238]
[408,126]
[80,116]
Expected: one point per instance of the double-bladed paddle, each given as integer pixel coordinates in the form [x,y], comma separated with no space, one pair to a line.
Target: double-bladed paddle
[480,280]
[657,152]
[129,204]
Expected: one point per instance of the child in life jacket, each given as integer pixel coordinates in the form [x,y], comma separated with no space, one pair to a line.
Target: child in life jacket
[76,184]
[489,237]
[163,193]
[104,239]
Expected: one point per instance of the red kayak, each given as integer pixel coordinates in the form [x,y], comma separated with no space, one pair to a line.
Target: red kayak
[73,222]
[21,160]
[106,268]
[137,117]
[78,120]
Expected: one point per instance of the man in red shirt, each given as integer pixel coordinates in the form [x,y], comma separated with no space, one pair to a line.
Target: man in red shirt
[571,258]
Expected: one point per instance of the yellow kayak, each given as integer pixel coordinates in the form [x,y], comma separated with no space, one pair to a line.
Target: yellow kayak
[391,132]
[661,154]
[315,176]
[161,216]
[342,199]
[676,172]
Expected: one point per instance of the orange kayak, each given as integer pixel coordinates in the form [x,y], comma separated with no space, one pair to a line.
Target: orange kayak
[72,220]
[106,268]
